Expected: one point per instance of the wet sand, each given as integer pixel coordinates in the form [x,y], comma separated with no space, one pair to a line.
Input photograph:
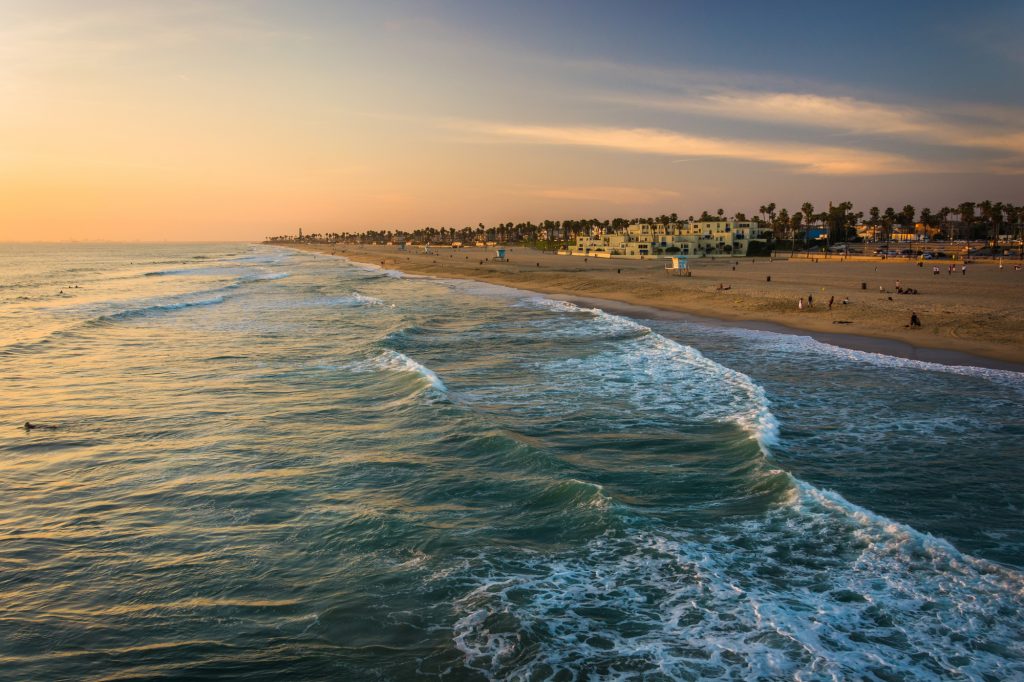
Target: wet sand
[975,319]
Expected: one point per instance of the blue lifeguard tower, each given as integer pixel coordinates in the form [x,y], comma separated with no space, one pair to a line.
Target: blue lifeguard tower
[677,266]
[499,254]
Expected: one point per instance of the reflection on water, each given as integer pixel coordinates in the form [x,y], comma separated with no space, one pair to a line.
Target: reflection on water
[268,465]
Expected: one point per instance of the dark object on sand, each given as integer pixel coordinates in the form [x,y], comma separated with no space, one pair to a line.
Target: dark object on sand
[915,321]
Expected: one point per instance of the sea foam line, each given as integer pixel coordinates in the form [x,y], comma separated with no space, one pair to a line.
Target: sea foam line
[1004,377]
[373,268]
[758,420]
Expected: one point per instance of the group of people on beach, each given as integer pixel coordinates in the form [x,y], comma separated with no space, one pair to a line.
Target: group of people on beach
[810,301]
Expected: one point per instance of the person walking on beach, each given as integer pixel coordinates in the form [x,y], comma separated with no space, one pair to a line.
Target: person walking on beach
[800,304]
[810,300]
[963,269]
[915,321]
[831,300]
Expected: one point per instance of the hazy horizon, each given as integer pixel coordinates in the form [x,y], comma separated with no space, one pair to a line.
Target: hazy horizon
[143,121]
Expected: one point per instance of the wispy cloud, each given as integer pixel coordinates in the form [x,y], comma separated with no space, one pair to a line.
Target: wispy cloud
[845,115]
[605,194]
[825,160]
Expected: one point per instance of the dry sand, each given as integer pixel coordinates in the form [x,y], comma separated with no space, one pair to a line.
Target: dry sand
[980,314]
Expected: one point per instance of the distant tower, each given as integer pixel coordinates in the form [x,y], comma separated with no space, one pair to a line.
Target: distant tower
[300,233]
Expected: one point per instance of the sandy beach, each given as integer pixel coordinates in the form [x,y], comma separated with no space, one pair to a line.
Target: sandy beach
[974,318]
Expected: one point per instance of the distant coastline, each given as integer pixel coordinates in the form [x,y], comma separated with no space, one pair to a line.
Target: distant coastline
[975,319]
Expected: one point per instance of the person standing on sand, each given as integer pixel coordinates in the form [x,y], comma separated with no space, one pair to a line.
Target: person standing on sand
[963,269]
[810,300]
[800,304]
[831,300]
[914,320]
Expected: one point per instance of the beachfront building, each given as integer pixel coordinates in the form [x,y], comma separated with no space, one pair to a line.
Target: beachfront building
[644,240]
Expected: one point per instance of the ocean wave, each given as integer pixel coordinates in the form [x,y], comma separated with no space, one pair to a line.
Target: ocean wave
[157,308]
[214,271]
[357,299]
[378,269]
[391,360]
[35,344]
[215,296]
[673,376]
[816,590]
[801,343]
[208,271]
[270,257]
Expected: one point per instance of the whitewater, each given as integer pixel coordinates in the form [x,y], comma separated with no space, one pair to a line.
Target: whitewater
[266,464]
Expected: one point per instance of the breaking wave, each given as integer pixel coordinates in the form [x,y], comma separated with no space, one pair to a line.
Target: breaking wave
[672,376]
[392,360]
[157,309]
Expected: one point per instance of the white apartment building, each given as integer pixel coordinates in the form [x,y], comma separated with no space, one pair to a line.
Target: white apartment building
[711,238]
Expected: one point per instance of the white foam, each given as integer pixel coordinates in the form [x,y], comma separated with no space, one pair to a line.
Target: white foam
[362,299]
[370,267]
[796,342]
[676,377]
[816,590]
[395,361]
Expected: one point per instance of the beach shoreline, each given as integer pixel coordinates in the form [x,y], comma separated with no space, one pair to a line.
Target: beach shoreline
[975,319]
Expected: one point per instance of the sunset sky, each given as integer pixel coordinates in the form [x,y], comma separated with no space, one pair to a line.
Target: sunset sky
[240,119]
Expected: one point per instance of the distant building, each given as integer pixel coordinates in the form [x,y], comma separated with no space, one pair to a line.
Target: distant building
[710,238]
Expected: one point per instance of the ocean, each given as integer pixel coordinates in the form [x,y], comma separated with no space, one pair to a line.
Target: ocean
[255,463]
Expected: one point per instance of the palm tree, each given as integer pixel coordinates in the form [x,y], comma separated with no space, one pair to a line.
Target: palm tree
[888,220]
[781,225]
[966,211]
[944,220]
[796,222]
[808,210]
[907,215]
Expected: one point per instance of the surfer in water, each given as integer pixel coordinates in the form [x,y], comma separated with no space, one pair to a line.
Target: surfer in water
[29,426]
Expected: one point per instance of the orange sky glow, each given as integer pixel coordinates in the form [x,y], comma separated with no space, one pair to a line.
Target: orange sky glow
[235,121]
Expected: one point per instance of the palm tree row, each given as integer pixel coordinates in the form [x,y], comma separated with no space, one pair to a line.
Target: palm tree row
[986,220]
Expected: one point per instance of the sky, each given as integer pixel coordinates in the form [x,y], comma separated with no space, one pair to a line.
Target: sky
[240,119]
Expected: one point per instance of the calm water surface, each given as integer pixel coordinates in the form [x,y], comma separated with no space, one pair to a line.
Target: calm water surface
[268,465]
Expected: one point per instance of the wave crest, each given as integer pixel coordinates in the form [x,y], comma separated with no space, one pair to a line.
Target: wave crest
[392,360]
